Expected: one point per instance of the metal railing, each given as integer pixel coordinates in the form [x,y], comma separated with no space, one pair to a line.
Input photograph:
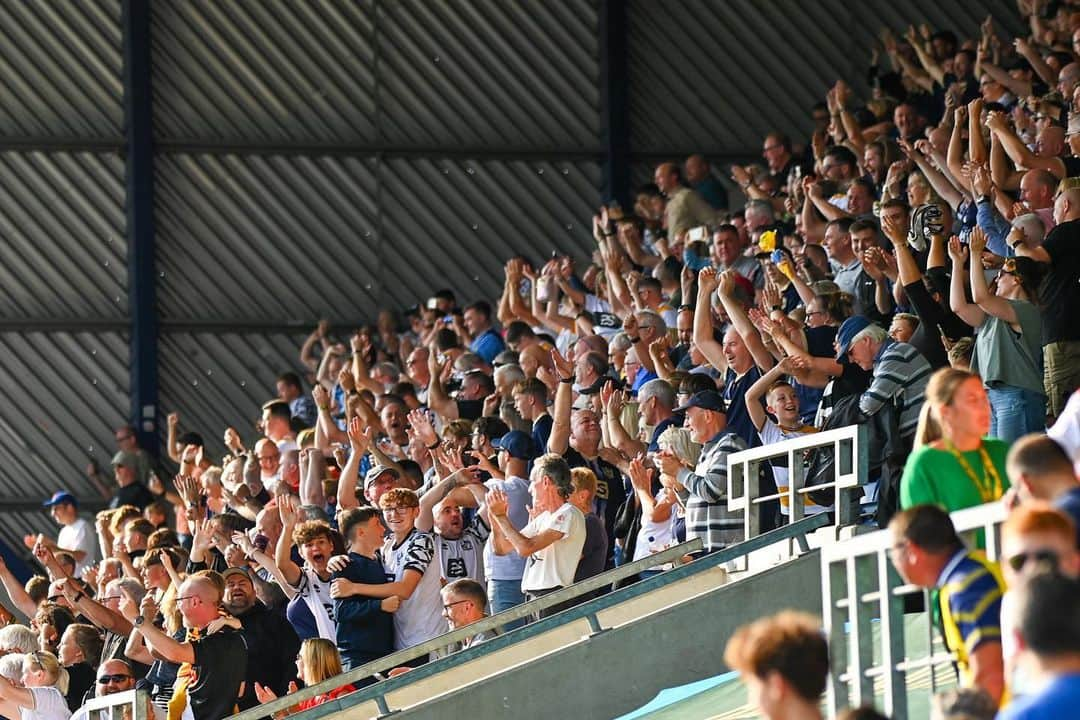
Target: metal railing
[860,586]
[126,705]
[851,461]
[588,611]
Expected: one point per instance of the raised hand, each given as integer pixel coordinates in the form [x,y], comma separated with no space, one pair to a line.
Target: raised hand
[639,475]
[264,694]
[977,240]
[421,425]
[287,510]
[321,397]
[496,502]
[957,251]
[187,488]
[707,282]
[563,367]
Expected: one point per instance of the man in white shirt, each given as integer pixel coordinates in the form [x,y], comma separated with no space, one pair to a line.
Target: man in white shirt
[77,535]
[553,539]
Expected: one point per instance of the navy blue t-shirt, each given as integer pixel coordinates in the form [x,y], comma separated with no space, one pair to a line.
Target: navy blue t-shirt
[738,417]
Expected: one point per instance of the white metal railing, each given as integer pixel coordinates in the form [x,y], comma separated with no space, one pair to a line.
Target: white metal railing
[126,705]
[851,460]
[860,586]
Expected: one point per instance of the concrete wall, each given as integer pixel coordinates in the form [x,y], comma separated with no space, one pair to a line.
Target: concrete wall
[614,672]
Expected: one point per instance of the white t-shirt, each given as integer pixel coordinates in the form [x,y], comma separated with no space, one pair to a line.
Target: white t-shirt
[773,433]
[464,557]
[555,565]
[79,535]
[49,704]
[420,617]
[654,537]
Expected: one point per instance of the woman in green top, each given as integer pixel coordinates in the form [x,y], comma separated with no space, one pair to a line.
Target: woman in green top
[954,466]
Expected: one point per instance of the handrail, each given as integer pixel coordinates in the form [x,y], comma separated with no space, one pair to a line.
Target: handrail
[859,583]
[138,698]
[515,613]
[587,610]
[852,463]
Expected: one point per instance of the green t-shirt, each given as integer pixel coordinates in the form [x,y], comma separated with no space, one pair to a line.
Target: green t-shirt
[935,476]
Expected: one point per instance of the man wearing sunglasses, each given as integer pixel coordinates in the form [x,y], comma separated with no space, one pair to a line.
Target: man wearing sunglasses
[113,676]
[1035,539]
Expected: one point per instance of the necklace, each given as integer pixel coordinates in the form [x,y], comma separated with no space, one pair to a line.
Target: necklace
[989,485]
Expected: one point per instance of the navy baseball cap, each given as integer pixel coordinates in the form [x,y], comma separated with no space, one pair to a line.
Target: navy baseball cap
[706,400]
[847,332]
[517,443]
[60,497]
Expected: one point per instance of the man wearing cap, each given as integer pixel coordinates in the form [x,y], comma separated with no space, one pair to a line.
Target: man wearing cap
[378,480]
[703,491]
[552,541]
[272,643]
[900,373]
[130,490]
[76,535]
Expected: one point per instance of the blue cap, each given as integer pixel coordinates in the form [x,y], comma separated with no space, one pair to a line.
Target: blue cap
[517,443]
[61,497]
[706,400]
[847,332]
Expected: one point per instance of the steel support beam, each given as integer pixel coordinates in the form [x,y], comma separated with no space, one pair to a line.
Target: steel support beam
[138,123]
[614,108]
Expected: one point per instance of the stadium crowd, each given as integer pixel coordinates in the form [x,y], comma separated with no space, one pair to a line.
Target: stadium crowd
[912,268]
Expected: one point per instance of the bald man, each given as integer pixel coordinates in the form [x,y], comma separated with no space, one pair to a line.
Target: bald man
[211,666]
[1060,297]
[113,676]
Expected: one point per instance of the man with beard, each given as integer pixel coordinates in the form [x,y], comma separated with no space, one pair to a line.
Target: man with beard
[271,641]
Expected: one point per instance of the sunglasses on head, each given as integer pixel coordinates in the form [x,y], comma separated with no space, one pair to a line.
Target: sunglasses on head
[1047,558]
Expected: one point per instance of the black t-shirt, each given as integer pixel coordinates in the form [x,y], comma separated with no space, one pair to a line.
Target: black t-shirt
[610,493]
[738,417]
[81,677]
[470,409]
[219,667]
[1060,293]
[866,299]
[134,494]
[1072,166]
[272,645]
[932,315]
[541,431]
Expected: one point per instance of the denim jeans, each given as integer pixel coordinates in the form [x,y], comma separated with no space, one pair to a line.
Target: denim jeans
[1015,412]
[503,595]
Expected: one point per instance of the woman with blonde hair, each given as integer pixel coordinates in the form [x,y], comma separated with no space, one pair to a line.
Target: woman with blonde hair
[39,698]
[317,660]
[954,465]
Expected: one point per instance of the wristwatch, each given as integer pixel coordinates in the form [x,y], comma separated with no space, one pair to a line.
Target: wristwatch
[138,621]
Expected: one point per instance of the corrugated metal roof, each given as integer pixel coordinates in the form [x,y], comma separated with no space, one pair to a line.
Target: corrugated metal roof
[455,224]
[272,70]
[715,76]
[489,72]
[252,237]
[282,238]
[60,69]
[64,395]
[219,380]
[64,253]
[405,72]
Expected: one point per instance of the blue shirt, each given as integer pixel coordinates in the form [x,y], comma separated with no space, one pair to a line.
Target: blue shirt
[1058,699]
[487,345]
[996,229]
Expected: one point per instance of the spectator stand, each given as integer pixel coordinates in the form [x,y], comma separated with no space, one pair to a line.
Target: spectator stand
[383,693]
[861,588]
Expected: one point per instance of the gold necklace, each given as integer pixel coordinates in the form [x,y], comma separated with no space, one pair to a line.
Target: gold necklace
[989,486]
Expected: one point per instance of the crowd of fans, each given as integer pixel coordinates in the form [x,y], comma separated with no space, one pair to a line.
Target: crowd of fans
[912,269]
